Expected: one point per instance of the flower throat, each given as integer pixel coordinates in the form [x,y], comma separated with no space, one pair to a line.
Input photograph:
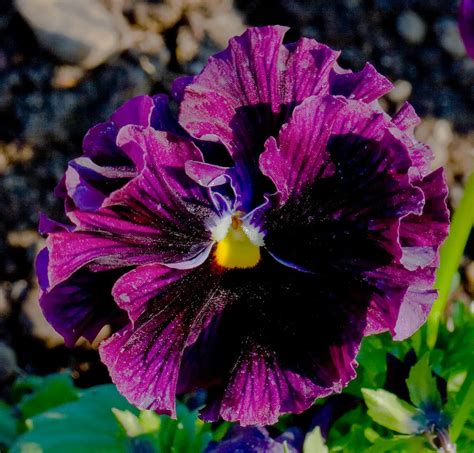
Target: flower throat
[236,250]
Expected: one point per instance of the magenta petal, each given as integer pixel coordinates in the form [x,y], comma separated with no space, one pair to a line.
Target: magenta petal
[420,245]
[137,287]
[135,111]
[104,167]
[301,151]
[206,175]
[68,252]
[165,158]
[143,362]
[144,359]
[258,71]
[245,74]
[259,391]
[406,117]
[99,142]
[366,85]
[466,25]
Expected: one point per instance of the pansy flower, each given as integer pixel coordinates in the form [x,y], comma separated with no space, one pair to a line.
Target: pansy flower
[254,239]
[466,25]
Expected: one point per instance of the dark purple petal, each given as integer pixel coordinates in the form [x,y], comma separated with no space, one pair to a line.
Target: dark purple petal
[89,184]
[99,143]
[136,111]
[258,70]
[346,211]
[159,216]
[466,25]
[81,305]
[259,390]
[254,440]
[281,360]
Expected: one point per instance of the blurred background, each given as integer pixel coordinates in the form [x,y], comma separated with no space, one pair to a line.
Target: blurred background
[66,65]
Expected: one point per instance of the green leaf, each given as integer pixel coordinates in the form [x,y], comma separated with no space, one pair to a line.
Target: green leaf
[150,421]
[465,409]
[84,426]
[388,410]
[7,425]
[129,422]
[405,444]
[451,255]
[48,392]
[422,384]
[314,442]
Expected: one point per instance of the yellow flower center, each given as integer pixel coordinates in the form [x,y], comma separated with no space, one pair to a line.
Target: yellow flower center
[236,250]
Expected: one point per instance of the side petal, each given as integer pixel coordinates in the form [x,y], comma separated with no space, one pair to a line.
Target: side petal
[68,252]
[81,305]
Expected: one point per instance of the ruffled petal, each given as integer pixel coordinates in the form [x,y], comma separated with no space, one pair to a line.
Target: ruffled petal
[345,214]
[407,293]
[300,154]
[104,167]
[257,70]
[366,85]
[421,244]
[245,93]
[144,359]
[81,305]
[68,252]
[280,360]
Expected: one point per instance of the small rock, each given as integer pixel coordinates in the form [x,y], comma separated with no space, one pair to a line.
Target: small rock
[78,32]
[443,132]
[187,46]
[401,91]
[67,76]
[23,239]
[19,290]
[449,37]
[411,27]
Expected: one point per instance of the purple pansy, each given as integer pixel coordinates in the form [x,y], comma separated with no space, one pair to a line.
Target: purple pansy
[466,25]
[252,241]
